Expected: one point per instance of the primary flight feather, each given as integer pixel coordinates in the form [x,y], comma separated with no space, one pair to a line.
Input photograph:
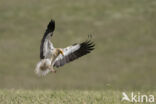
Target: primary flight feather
[51,57]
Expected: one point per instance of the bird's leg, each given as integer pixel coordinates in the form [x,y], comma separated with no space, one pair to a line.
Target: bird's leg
[52,69]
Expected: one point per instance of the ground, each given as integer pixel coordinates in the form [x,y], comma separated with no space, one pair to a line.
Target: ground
[123,31]
[63,97]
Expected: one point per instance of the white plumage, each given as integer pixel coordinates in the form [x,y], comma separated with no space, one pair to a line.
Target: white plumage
[40,71]
[56,57]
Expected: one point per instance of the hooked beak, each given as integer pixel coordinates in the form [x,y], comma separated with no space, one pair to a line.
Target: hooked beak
[61,52]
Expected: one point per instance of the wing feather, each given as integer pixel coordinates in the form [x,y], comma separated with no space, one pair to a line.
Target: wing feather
[46,45]
[73,52]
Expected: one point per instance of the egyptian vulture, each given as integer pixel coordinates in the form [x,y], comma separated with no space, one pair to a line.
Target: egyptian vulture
[51,57]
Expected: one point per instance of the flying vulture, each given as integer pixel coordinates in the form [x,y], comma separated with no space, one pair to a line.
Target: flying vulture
[51,57]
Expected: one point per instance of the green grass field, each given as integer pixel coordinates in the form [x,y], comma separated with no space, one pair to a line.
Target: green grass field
[124,57]
[62,97]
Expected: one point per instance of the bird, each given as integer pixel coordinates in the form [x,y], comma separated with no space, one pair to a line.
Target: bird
[51,57]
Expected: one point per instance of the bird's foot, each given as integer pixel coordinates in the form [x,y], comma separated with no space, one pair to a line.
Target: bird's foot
[53,71]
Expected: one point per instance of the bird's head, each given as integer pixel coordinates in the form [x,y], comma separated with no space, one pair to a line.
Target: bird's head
[60,51]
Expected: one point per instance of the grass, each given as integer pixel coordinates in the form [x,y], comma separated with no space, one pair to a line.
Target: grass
[124,33]
[51,97]
[62,97]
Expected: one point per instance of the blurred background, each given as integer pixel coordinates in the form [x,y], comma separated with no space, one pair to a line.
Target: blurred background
[123,30]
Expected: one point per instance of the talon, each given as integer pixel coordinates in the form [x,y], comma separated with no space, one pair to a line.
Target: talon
[51,69]
[54,71]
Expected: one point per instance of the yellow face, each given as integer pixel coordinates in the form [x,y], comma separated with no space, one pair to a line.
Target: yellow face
[60,51]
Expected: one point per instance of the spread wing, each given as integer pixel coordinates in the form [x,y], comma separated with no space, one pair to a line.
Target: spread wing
[73,52]
[46,45]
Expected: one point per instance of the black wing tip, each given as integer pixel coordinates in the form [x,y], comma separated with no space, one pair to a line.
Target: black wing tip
[86,47]
[51,25]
